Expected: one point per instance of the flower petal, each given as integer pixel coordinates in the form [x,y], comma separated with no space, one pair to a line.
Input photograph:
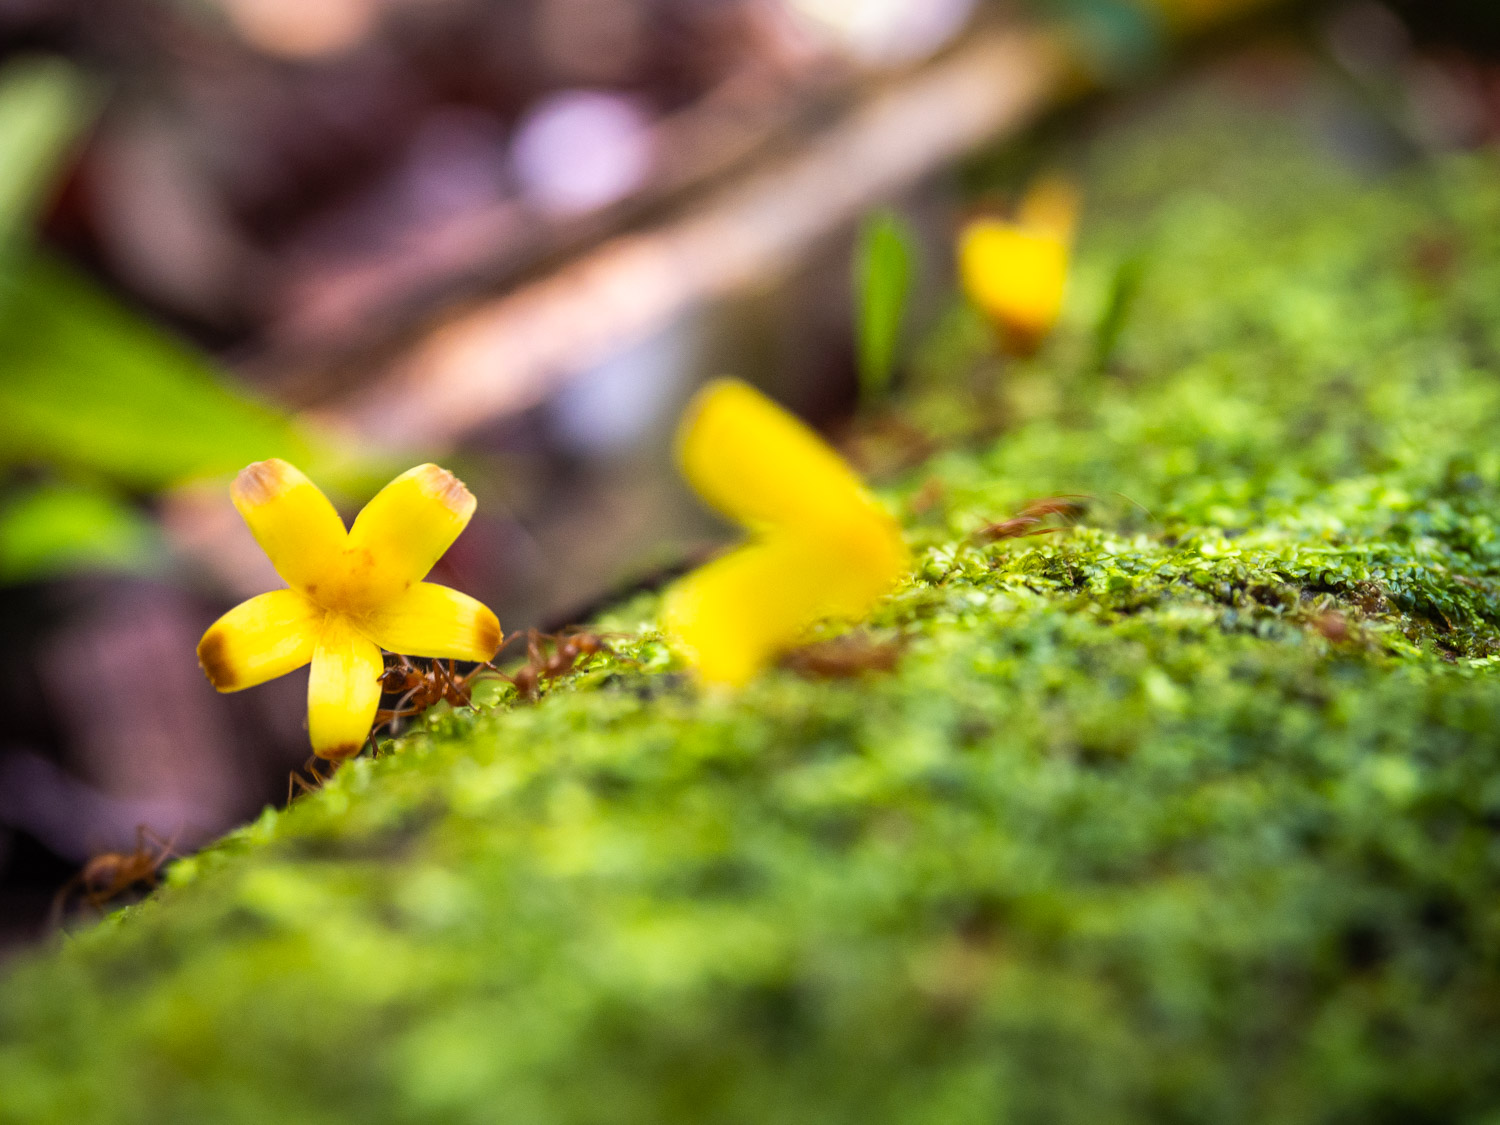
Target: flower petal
[343,691]
[432,620]
[759,465]
[1016,277]
[293,522]
[859,562]
[824,546]
[407,527]
[731,617]
[258,640]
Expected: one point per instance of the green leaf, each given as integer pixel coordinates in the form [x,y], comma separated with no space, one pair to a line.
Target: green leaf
[86,385]
[44,104]
[54,529]
[882,279]
[1124,288]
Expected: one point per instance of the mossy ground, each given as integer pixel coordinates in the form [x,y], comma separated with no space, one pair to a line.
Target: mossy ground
[1188,814]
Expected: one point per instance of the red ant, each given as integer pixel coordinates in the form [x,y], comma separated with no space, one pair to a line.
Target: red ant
[844,657]
[111,874]
[568,650]
[1027,520]
[419,688]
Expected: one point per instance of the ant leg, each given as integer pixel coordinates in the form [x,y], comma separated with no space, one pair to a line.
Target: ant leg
[534,654]
[311,766]
[141,831]
[506,640]
[468,677]
[163,845]
[295,779]
[400,711]
[466,682]
[457,689]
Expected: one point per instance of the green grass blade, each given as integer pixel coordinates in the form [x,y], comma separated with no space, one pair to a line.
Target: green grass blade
[882,281]
[44,105]
[56,529]
[88,386]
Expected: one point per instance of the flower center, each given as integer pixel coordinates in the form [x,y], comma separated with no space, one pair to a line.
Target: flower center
[356,584]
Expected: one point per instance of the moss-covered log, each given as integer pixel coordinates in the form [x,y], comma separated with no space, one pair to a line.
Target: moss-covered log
[1188,814]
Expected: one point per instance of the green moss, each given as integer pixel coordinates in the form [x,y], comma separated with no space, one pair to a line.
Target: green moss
[1188,814]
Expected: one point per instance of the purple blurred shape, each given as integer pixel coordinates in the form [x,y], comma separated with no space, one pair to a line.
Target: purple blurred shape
[455,164]
[580,150]
[75,820]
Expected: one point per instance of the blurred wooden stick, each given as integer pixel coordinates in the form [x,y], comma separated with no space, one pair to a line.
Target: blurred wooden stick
[511,352]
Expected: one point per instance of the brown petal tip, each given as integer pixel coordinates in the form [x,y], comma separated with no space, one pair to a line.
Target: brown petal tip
[443,486]
[261,481]
[487,634]
[339,753]
[215,661]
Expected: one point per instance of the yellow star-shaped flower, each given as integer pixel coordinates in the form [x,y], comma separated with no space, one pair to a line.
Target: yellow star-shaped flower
[1017,272]
[821,545]
[351,594]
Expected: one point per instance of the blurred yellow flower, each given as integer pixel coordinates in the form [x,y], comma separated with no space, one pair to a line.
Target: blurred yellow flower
[1016,272]
[351,593]
[821,545]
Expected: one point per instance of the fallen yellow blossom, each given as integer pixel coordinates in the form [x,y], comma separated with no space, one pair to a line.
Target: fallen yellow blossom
[1017,272]
[351,593]
[821,545]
